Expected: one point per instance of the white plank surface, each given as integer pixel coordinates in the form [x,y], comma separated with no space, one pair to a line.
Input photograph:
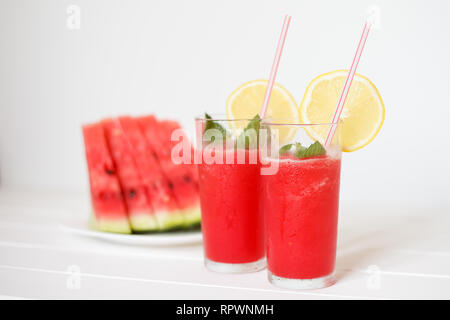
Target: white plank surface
[383,253]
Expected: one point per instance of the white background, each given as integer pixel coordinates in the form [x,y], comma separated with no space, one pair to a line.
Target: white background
[179,58]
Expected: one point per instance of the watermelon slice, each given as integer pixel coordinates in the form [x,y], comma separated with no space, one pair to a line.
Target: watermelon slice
[171,218]
[158,188]
[140,213]
[109,211]
[182,177]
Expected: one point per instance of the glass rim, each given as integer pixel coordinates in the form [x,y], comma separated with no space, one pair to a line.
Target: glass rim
[284,122]
[301,124]
[221,117]
[265,121]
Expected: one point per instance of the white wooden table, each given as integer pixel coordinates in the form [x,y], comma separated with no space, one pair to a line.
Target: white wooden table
[382,253]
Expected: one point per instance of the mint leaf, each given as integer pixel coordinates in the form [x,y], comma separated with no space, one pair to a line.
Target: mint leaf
[299,150]
[287,149]
[255,123]
[211,124]
[246,139]
[314,150]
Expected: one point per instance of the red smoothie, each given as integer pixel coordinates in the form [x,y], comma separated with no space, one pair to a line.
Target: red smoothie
[232,223]
[300,204]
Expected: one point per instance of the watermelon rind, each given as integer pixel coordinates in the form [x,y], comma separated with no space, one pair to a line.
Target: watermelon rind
[144,222]
[192,216]
[170,220]
[109,225]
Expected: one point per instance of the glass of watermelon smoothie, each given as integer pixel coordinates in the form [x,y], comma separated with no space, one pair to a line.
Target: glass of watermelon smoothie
[229,175]
[300,204]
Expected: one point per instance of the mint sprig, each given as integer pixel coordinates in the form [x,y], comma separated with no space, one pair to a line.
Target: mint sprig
[245,139]
[314,150]
[211,124]
[287,148]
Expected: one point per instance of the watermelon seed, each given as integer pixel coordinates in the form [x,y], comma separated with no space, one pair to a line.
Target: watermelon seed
[187,178]
[103,196]
[109,169]
[170,185]
[132,193]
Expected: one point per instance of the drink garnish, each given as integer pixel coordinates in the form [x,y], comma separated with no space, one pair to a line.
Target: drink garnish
[287,148]
[246,139]
[314,150]
[211,124]
[362,116]
[245,101]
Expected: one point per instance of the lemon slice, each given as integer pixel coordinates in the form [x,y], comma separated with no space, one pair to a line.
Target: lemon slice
[246,101]
[362,116]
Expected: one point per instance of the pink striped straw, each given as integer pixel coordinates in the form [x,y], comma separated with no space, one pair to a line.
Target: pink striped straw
[276,62]
[348,82]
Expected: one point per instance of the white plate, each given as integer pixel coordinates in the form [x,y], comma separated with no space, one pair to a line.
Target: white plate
[156,239]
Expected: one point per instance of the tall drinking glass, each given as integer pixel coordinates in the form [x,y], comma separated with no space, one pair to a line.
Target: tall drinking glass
[300,203]
[228,167]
